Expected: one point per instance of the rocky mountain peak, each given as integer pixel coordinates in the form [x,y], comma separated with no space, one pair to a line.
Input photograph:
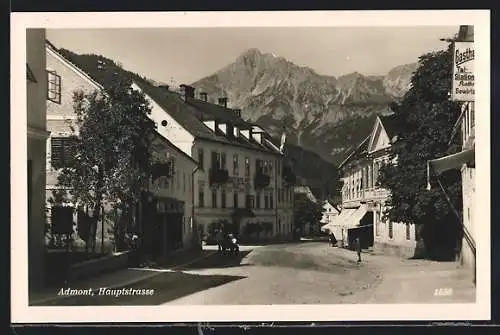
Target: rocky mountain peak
[277,93]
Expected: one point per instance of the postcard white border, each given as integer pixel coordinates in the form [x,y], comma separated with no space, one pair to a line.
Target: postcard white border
[22,313]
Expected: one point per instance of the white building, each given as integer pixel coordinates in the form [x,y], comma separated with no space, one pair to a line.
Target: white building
[243,177]
[363,201]
[330,213]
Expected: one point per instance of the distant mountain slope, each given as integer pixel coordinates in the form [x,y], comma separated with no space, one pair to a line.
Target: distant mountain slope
[321,113]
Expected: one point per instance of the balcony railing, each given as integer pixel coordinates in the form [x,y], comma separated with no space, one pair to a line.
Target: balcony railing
[261,180]
[368,194]
[218,176]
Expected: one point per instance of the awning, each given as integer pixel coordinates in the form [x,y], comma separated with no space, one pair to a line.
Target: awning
[353,220]
[455,161]
[338,219]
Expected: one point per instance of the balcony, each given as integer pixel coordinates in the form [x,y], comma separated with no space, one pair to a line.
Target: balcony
[218,176]
[261,180]
[162,170]
[288,176]
[366,195]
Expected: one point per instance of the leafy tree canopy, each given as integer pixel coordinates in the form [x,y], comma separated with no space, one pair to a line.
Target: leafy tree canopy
[426,117]
[112,147]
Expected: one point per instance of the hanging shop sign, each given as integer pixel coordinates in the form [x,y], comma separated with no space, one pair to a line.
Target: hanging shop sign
[463,72]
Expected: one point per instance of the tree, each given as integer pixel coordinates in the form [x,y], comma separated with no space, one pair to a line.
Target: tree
[111,152]
[305,212]
[425,119]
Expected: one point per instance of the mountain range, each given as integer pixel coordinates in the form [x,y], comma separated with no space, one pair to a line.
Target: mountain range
[326,114]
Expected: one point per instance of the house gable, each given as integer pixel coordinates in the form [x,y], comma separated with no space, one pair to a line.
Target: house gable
[379,139]
[71,80]
[167,126]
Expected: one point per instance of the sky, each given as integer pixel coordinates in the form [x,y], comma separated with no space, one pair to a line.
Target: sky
[185,55]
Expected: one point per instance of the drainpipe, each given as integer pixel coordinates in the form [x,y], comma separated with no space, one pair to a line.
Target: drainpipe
[197,168]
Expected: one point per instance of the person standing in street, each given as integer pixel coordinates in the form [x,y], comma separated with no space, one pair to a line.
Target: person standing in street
[220,239]
[357,245]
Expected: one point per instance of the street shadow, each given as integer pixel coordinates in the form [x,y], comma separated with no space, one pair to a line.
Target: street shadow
[160,289]
[58,264]
[217,260]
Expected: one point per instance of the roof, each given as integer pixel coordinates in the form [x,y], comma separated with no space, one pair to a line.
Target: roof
[391,126]
[219,112]
[357,152]
[190,114]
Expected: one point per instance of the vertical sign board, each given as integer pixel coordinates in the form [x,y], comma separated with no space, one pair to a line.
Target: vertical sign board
[463,72]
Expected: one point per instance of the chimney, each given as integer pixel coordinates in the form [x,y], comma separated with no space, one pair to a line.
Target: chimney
[203,96]
[187,91]
[238,111]
[223,102]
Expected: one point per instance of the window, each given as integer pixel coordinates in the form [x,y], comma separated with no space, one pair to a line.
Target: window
[247,167]
[223,161]
[408,231]
[223,199]
[235,200]
[201,199]
[184,181]
[391,233]
[236,171]
[53,87]
[215,164]
[249,201]
[200,158]
[214,198]
[257,200]
[266,201]
[62,151]
[270,167]
[271,200]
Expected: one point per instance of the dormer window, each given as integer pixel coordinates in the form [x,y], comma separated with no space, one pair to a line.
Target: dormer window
[223,127]
[210,124]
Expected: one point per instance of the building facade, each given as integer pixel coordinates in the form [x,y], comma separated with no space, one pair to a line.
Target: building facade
[330,213]
[242,177]
[36,90]
[363,201]
[164,217]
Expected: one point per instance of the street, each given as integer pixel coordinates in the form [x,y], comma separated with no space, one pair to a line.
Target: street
[295,273]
